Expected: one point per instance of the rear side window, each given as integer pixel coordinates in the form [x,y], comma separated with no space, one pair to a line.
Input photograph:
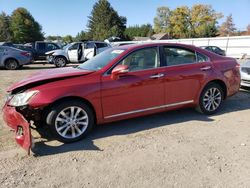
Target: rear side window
[202,58]
[178,56]
[1,49]
[90,45]
[101,45]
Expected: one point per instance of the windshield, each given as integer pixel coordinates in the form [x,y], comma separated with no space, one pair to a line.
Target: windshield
[68,45]
[101,60]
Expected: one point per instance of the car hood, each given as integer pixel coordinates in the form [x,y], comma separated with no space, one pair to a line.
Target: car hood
[246,64]
[54,51]
[46,76]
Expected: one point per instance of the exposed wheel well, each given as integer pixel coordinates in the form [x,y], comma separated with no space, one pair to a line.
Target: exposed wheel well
[222,85]
[62,57]
[47,108]
[10,58]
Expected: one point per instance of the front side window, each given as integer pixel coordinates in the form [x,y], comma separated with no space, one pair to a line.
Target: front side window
[74,46]
[178,56]
[142,59]
[51,46]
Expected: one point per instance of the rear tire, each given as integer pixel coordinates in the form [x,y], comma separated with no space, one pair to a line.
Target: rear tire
[211,99]
[70,120]
[11,64]
[60,61]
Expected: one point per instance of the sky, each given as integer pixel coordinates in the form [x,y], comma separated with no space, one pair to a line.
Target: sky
[63,17]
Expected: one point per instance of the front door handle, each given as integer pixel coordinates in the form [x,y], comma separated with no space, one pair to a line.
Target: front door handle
[206,68]
[157,75]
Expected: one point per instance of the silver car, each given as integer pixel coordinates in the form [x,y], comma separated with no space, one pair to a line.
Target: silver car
[245,74]
[13,58]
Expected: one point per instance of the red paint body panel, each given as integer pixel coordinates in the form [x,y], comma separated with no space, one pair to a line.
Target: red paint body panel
[133,94]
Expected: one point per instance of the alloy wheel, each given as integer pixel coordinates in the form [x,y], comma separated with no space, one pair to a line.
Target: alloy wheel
[212,99]
[71,122]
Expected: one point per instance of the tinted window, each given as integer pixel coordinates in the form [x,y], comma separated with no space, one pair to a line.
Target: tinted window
[202,58]
[90,45]
[74,46]
[41,46]
[178,56]
[51,46]
[142,59]
[101,45]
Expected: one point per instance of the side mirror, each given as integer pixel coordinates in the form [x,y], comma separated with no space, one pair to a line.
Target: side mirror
[118,71]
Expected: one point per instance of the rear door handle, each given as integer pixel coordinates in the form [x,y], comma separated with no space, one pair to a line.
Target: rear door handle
[206,68]
[157,75]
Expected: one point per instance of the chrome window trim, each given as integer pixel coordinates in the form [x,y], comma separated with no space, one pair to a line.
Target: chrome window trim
[148,109]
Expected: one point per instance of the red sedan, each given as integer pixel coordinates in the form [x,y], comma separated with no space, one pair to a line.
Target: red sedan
[120,83]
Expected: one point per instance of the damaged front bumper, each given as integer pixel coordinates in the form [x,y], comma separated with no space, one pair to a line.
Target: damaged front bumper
[21,126]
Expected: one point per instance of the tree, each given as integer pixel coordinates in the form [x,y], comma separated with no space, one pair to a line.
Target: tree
[53,38]
[227,28]
[105,22]
[203,21]
[68,39]
[162,20]
[180,22]
[24,27]
[185,22]
[144,30]
[82,35]
[5,32]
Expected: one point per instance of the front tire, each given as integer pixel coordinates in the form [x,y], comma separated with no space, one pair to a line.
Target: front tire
[210,99]
[60,61]
[70,121]
[11,64]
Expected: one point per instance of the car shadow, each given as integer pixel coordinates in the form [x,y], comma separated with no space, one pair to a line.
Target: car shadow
[239,102]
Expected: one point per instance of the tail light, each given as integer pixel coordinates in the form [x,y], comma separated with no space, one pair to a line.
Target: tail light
[27,54]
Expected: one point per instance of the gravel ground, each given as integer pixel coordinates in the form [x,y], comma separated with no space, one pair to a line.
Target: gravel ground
[174,149]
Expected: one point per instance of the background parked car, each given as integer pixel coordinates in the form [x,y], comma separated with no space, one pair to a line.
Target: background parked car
[13,58]
[245,74]
[40,48]
[215,49]
[76,52]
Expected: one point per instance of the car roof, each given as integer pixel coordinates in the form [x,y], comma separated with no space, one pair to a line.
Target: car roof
[141,45]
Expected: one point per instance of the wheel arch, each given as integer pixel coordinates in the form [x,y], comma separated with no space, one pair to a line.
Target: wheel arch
[63,56]
[221,83]
[10,58]
[60,100]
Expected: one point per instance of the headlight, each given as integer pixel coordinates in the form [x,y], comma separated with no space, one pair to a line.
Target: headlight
[22,99]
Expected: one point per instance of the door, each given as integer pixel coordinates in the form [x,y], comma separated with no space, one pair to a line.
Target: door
[185,73]
[40,51]
[89,50]
[73,53]
[140,90]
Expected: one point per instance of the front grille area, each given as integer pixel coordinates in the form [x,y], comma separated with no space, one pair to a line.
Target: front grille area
[246,81]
